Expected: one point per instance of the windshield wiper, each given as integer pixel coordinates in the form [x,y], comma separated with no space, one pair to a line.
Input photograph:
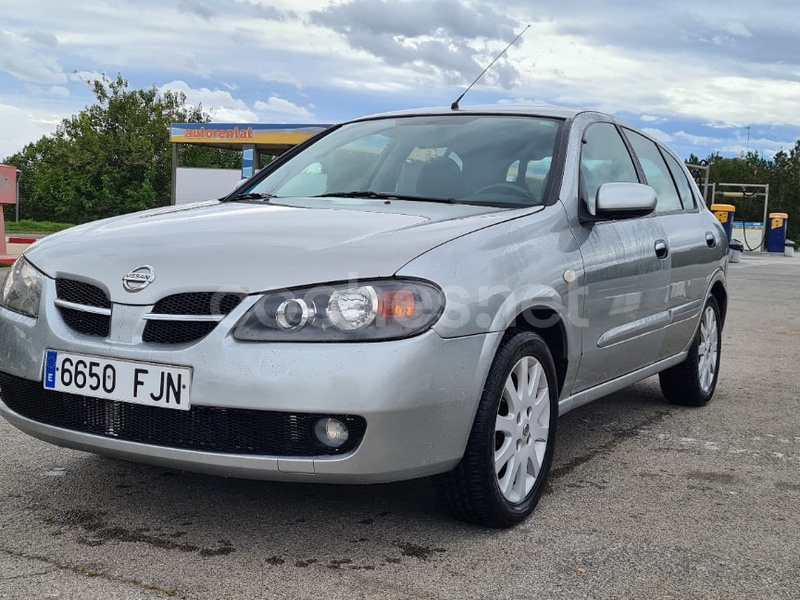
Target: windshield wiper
[385,196]
[250,196]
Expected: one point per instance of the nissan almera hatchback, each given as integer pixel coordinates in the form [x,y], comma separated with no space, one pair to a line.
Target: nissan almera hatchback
[412,294]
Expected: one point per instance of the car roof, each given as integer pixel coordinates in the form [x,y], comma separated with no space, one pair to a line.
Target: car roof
[491,109]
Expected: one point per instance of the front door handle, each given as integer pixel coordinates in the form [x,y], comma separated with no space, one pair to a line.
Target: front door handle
[711,239]
[662,250]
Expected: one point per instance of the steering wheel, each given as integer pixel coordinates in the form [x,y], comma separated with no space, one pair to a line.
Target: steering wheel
[505,188]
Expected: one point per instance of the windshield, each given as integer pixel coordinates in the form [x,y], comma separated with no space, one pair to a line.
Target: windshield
[492,160]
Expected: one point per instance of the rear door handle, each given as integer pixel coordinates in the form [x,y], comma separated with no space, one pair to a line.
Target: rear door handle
[711,239]
[662,250]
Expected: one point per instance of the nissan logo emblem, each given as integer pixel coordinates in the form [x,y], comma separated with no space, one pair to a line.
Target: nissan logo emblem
[139,278]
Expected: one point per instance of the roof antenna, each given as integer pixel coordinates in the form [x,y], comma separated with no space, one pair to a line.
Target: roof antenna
[454,105]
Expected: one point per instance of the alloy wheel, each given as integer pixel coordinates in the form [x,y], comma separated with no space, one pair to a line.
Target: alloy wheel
[708,349]
[521,429]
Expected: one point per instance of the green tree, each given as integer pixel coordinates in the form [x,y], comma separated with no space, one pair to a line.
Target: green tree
[113,157]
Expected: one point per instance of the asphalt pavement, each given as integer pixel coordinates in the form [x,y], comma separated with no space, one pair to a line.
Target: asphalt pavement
[646,500]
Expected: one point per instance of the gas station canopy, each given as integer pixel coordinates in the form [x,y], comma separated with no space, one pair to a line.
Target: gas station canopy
[252,139]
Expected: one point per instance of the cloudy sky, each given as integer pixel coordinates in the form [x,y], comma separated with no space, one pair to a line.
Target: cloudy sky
[704,77]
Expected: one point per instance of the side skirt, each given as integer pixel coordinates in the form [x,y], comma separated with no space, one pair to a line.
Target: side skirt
[604,389]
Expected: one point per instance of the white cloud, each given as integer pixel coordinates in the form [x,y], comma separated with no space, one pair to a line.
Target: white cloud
[737,29]
[205,96]
[764,146]
[59,91]
[19,127]
[44,38]
[232,115]
[219,104]
[51,121]
[224,107]
[658,134]
[277,106]
[282,77]
[450,40]
[189,62]
[19,58]
[697,140]
[651,83]
[738,100]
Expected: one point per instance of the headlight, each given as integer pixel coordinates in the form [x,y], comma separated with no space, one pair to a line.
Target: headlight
[363,311]
[22,289]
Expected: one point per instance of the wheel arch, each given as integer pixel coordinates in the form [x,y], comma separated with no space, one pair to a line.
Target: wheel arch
[720,294]
[549,324]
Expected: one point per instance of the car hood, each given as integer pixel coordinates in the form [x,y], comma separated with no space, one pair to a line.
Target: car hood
[255,246]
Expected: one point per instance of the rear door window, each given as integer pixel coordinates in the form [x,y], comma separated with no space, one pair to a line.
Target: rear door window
[656,172]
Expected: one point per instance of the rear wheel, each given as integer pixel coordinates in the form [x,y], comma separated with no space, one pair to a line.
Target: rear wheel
[692,383]
[504,469]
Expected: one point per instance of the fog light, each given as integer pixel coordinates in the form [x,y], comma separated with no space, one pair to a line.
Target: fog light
[331,432]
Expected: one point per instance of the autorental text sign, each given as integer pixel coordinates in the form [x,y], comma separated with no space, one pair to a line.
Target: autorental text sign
[244,134]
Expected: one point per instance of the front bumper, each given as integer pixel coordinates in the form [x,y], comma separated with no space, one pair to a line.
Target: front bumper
[418,396]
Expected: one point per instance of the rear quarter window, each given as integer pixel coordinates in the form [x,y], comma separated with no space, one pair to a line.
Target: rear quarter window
[681,181]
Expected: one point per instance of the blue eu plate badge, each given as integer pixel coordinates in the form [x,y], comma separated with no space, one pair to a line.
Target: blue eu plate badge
[50,369]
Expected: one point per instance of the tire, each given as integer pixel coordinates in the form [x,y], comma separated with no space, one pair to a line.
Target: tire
[512,429]
[692,383]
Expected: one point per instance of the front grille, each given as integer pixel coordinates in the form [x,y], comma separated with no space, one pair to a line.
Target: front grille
[206,429]
[198,303]
[166,331]
[176,332]
[84,294]
[86,323]
[80,292]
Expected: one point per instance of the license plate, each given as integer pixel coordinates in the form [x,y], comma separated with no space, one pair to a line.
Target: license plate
[150,384]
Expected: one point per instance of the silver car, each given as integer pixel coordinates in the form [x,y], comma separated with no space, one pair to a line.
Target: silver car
[407,295]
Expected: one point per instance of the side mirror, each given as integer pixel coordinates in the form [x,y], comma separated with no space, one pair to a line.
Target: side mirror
[240,183]
[622,200]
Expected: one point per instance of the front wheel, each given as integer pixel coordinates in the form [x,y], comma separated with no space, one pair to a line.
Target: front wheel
[692,383]
[510,449]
